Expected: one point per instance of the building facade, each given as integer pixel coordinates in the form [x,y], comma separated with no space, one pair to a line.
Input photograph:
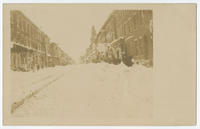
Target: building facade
[128,37]
[30,46]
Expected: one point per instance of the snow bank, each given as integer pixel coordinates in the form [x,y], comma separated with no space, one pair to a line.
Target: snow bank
[101,90]
[26,83]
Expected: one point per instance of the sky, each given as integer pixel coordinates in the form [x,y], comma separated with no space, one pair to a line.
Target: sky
[67,25]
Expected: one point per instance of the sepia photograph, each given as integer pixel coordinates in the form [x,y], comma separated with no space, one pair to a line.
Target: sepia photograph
[73,64]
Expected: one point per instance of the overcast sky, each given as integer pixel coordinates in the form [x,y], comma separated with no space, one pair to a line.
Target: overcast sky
[68,26]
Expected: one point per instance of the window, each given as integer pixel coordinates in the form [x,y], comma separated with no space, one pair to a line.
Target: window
[134,23]
[125,29]
[24,24]
[130,27]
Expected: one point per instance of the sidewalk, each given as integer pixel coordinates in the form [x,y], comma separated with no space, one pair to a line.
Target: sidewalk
[26,84]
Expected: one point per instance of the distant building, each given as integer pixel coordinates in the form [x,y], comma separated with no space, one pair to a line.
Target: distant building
[93,35]
[90,54]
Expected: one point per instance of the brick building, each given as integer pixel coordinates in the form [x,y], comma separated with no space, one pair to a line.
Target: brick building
[30,46]
[127,35]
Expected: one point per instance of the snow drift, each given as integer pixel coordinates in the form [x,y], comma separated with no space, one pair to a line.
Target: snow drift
[96,91]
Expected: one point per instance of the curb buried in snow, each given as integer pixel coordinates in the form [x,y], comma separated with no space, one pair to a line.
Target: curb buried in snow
[17,104]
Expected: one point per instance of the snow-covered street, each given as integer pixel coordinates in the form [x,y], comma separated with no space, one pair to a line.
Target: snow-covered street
[86,91]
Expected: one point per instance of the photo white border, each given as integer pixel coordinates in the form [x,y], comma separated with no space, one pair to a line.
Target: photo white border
[103,1]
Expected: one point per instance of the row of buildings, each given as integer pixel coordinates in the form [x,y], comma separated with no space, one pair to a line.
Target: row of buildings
[127,35]
[31,48]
